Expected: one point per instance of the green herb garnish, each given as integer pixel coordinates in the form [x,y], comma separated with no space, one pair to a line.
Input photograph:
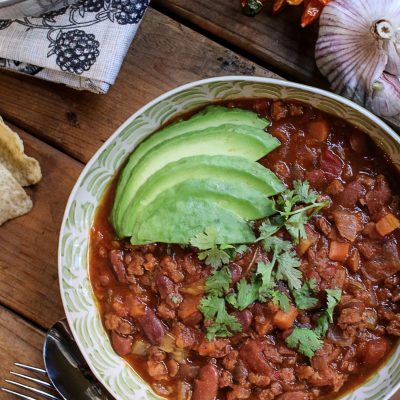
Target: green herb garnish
[281,300]
[224,325]
[290,214]
[247,293]
[293,210]
[304,296]
[213,306]
[213,254]
[218,283]
[307,341]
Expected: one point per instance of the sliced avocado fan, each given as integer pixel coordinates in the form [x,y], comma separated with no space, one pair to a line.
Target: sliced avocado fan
[210,117]
[236,174]
[192,216]
[234,140]
[242,200]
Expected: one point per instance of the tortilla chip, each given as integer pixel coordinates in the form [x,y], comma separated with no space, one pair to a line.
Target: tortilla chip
[26,170]
[13,199]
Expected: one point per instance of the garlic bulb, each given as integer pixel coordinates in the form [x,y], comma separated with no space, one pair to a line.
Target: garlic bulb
[358,50]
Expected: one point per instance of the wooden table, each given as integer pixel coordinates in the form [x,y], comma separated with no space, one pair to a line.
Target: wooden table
[179,41]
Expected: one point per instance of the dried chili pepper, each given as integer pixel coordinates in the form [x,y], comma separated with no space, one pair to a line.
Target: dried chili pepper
[312,11]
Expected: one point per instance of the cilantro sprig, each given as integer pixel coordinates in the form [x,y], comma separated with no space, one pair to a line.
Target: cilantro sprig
[307,341]
[213,306]
[294,209]
[283,256]
[213,254]
[303,297]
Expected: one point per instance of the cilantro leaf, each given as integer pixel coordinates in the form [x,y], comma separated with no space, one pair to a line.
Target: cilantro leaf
[295,225]
[214,257]
[276,244]
[224,324]
[303,297]
[247,293]
[218,283]
[305,341]
[267,229]
[322,325]
[333,299]
[209,307]
[305,195]
[288,271]
[264,272]
[213,254]
[241,249]
[281,300]
[205,240]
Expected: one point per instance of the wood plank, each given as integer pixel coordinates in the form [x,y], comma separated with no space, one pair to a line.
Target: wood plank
[165,54]
[19,342]
[28,261]
[272,40]
[276,40]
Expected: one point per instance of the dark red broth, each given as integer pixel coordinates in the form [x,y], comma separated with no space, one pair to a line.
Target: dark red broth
[166,281]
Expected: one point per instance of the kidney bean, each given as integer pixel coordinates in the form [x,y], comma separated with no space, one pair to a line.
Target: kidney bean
[206,387]
[122,345]
[245,318]
[165,286]
[252,355]
[116,258]
[152,326]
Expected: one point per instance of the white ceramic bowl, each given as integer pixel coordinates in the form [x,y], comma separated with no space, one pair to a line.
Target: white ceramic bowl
[76,291]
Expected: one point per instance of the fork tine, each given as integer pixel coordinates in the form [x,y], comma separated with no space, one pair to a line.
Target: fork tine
[29,378]
[37,391]
[33,369]
[19,395]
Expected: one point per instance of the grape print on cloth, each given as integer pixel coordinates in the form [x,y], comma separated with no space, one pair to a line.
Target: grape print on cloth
[82,45]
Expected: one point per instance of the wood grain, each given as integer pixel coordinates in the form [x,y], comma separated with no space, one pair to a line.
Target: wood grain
[28,261]
[272,40]
[276,40]
[19,342]
[164,54]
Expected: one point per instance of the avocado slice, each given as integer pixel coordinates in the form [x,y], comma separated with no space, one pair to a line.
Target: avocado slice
[250,143]
[179,221]
[243,200]
[232,170]
[209,117]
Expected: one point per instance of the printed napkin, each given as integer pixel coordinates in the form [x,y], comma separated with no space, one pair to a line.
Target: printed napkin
[82,45]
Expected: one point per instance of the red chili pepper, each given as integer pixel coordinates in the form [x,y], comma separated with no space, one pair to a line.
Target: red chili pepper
[278,6]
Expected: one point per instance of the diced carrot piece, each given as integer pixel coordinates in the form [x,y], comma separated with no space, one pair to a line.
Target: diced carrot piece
[339,251]
[284,320]
[194,288]
[189,306]
[318,130]
[305,244]
[387,224]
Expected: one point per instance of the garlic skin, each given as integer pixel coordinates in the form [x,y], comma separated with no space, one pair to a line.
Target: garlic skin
[358,50]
